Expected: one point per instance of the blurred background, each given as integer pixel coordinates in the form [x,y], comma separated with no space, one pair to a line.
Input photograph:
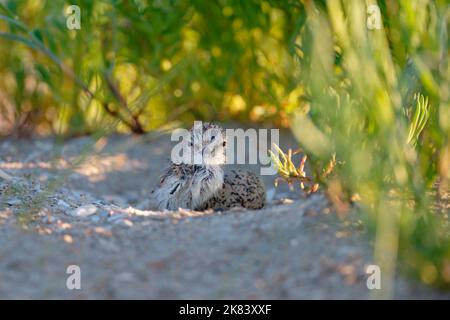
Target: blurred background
[147,63]
[366,82]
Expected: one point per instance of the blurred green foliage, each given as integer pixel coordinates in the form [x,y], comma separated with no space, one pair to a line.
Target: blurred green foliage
[150,62]
[376,98]
[379,99]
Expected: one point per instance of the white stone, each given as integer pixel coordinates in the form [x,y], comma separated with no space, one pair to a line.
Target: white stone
[84,211]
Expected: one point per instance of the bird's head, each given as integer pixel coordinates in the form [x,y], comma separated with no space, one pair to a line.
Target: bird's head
[208,143]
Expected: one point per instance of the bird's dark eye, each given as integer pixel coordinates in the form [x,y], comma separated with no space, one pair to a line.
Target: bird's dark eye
[213,137]
[224,143]
[190,144]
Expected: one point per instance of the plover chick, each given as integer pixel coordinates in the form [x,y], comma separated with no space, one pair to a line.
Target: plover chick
[240,189]
[202,186]
[189,185]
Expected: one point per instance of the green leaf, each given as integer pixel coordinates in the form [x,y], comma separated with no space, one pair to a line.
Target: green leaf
[38,35]
[14,37]
[6,10]
[419,120]
[43,74]
[14,22]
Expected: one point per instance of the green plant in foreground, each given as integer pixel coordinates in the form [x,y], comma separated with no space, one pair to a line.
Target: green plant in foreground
[420,118]
[357,82]
[291,174]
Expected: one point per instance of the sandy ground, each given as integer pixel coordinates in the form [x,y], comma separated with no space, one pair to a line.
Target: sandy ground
[95,216]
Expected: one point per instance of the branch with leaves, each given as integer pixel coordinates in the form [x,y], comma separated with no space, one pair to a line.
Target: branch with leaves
[31,40]
[292,174]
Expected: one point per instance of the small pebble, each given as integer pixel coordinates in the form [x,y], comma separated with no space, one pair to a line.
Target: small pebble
[13,202]
[84,211]
[67,238]
[62,203]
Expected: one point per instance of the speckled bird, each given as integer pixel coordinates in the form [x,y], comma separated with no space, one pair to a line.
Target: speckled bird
[204,185]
